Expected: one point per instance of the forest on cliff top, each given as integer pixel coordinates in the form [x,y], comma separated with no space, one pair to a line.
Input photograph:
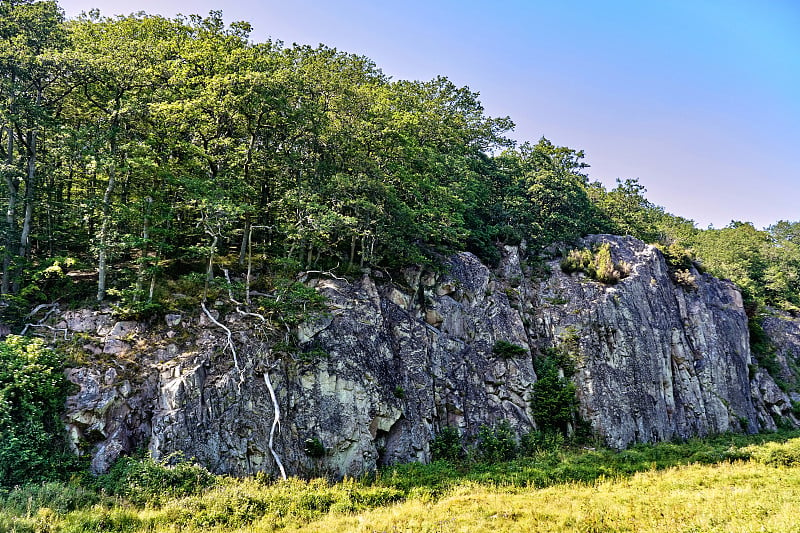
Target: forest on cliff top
[139,152]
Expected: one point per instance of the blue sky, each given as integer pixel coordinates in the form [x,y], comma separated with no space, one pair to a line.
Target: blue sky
[700,100]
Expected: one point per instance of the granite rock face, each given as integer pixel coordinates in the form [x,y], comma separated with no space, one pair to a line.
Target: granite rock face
[783,332]
[658,359]
[394,360]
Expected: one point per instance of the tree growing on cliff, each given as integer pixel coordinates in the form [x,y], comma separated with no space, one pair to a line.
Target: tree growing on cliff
[553,400]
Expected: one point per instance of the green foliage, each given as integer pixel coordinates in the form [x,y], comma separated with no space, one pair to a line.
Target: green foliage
[170,146]
[147,481]
[507,350]
[447,444]
[498,443]
[255,504]
[32,394]
[628,211]
[764,264]
[597,264]
[28,499]
[765,352]
[680,262]
[134,305]
[536,443]
[545,462]
[677,256]
[294,303]
[314,448]
[553,399]
[558,359]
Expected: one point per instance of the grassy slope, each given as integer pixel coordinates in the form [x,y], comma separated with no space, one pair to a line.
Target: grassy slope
[723,484]
[739,496]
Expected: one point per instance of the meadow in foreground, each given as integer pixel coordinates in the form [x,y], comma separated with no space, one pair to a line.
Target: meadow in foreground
[728,483]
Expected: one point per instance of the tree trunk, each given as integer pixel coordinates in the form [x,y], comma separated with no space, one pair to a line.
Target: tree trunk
[12,186]
[245,239]
[30,192]
[210,267]
[30,186]
[144,250]
[102,255]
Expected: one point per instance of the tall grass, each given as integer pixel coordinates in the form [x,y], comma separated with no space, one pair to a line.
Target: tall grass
[728,483]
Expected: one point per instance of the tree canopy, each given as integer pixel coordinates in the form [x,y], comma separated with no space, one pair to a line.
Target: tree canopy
[167,147]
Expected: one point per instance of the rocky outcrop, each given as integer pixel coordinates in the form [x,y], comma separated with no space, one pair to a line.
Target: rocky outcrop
[783,332]
[658,359]
[393,360]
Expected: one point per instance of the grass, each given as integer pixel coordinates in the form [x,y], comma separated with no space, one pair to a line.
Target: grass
[738,496]
[726,483]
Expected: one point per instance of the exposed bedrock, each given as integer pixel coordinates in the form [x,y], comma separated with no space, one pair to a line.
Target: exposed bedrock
[393,360]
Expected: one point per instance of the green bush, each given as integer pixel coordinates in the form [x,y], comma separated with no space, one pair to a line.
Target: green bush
[446,444]
[33,390]
[294,303]
[134,305]
[99,519]
[498,443]
[554,401]
[508,350]
[765,352]
[314,448]
[597,264]
[148,481]
[60,497]
[538,442]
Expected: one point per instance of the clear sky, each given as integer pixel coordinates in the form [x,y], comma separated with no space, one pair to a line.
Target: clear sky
[699,99]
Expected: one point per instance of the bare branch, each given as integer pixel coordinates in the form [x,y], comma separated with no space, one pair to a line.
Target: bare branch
[230,343]
[52,308]
[276,423]
[51,328]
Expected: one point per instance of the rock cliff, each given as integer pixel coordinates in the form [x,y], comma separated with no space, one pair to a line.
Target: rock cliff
[395,359]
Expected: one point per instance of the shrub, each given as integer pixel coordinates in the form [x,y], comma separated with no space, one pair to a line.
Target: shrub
[33,390]
[577,261]
[314,448]
[60,497]
[446,444]
[498,443]
[597,264]
[677,256]
[508,350]
[680,262]
[765,352]
[685,278]
[148,481]
[776,454]
[554,401]
[560,358]
[134,305]
[537,442]
[294,303]
[98,519]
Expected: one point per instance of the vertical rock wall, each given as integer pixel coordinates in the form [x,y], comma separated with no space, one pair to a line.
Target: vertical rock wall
[395,360]
[657,360]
